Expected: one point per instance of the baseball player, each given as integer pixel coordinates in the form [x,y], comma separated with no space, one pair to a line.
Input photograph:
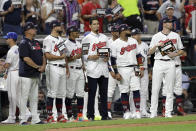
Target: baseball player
[12,66]
[97,70]
[56,70]
[31,65]
[143,49]
[75,83]
[125,59]
[177,89]
[97,113]
[112,82]
[164,66]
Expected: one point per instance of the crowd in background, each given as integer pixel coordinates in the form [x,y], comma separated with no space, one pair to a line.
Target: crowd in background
[147,15]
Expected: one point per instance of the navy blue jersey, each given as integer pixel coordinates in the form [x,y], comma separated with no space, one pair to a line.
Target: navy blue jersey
[33,50]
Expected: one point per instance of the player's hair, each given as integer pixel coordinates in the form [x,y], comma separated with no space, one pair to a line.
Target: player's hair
[92,19]
[14,40]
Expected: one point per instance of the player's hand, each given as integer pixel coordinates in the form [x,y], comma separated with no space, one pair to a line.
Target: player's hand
[41,69]
[172,54]
[95,57]
[83,68]
[141,73]
[94,15]
[118,77]
[78,56]
[5,76]
[63,56]
[106,59]
[67,72]
[113,74]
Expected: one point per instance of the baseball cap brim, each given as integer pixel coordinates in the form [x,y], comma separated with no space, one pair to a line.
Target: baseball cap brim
[5,37]
[170,8]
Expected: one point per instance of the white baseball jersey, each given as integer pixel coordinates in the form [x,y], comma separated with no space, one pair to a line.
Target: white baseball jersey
[72,50]
[96,68]
[143,49]
[160,37]
[13,58]
[110,41]
[125,52]
[50,45]
[177,60]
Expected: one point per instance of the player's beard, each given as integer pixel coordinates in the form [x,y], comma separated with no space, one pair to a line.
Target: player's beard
[97,31]
[59,32]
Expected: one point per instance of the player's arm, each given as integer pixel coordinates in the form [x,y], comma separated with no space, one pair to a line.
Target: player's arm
[30,62]
[174,54]
[72,58]
[153,46]
[153,49]
[114,65]
[110,69]
[93,57]
[52,57]
[180,49]
[42,68]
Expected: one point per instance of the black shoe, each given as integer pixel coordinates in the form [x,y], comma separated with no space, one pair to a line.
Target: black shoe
[41,122]
[91,119]
[106,118]
[24,123]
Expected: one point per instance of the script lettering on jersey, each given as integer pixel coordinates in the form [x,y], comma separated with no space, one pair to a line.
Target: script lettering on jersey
[55,48]
[128,48]
[174,41]
[37,46]
[76,52]
[99,45]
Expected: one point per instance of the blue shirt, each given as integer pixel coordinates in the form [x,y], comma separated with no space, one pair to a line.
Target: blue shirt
[13,18]
[33,50]
[176,24]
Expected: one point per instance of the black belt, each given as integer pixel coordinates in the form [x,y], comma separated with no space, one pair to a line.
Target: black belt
[131,66]
[165,59]
[59,65]
[177,65]
[78,68]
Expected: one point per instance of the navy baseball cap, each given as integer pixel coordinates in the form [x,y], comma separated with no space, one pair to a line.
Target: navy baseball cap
[72,29]
[123,27]
[114,28]
[135,31]
[55,23]
[11,35]
[167,20]
[29,25]
[170,6]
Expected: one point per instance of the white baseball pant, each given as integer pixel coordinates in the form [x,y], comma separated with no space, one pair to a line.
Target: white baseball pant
[28,89]
[75,83]
[144,81]
[178,83]
[162,70]
[129,81]
[56,81]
